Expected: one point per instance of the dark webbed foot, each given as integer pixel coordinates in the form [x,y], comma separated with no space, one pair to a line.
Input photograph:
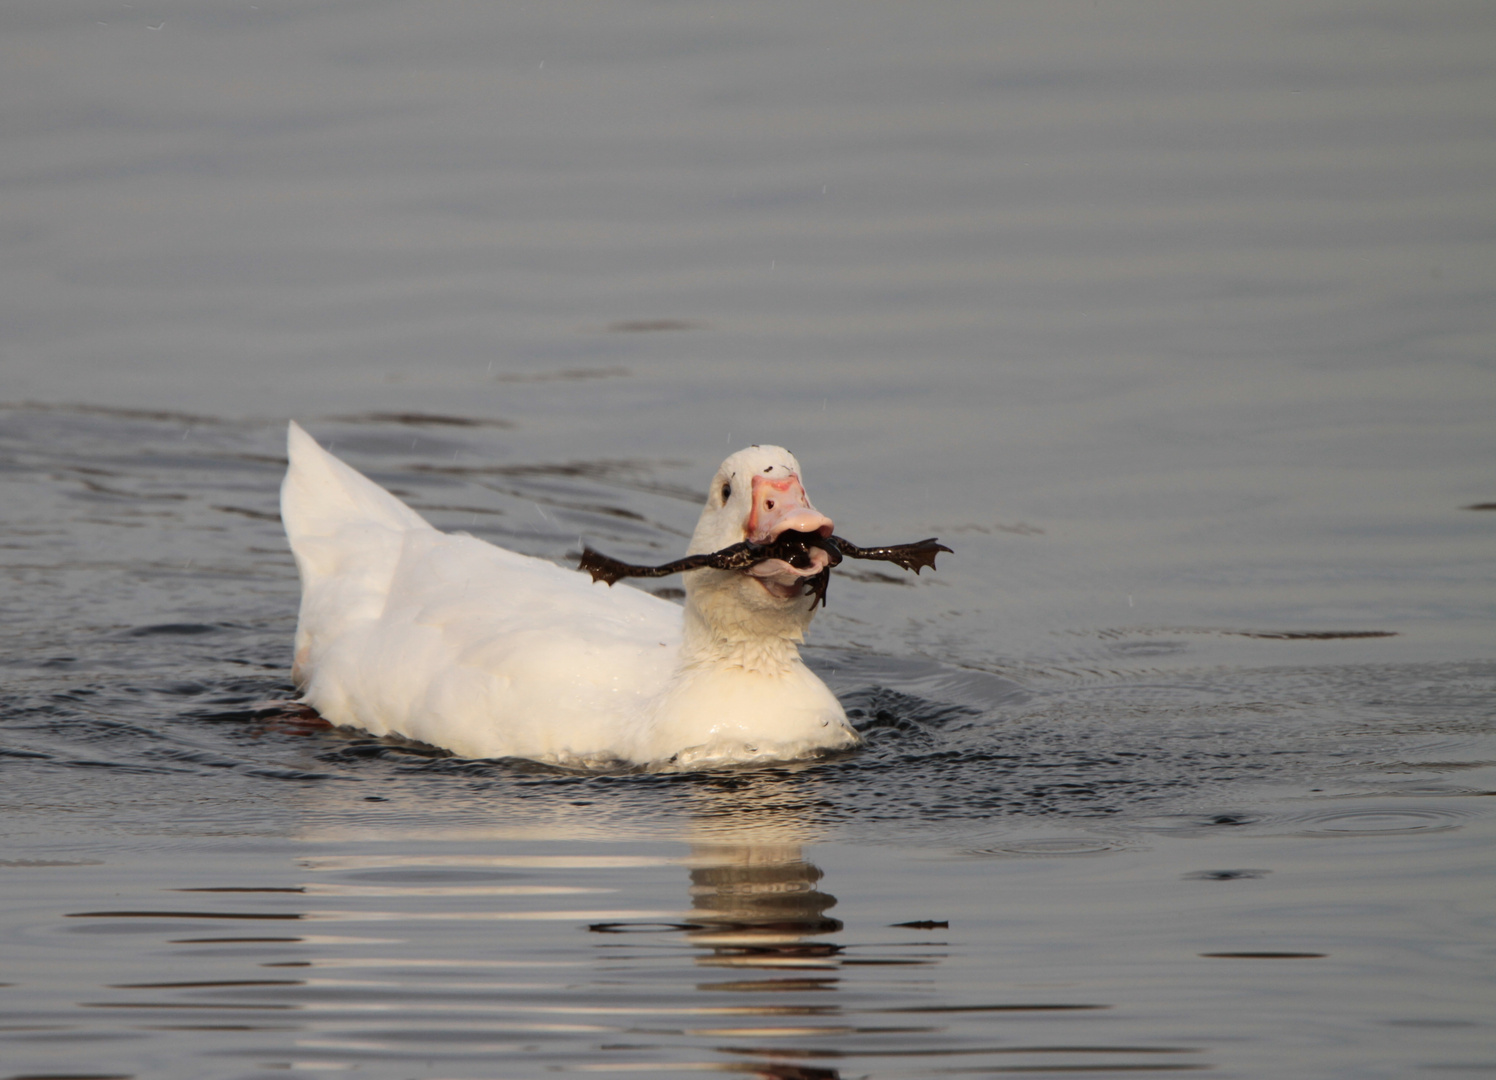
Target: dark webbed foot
[913,556]
[603,568]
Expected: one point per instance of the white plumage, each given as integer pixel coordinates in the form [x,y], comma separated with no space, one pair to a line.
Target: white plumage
[452,641]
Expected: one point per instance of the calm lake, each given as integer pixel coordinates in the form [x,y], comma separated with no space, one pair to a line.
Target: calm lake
[1176,322]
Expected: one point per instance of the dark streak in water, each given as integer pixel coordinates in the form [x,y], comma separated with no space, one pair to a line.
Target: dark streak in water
[1314,635]
[255,515]
[891,962]
[207,984]
[873,577]
[239,941]
[45,863]
[993,1008]
[964,1051]
[759,986]
[651,326]
[175,629]
[993,1070]
[183,915]
[218,1027]
[193,419]
[564,375]
[168,1006]
[415,419]
[1264,955]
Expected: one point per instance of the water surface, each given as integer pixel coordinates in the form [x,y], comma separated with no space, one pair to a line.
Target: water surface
[1175,323]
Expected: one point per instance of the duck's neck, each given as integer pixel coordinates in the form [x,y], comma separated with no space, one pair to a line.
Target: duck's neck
[722,635]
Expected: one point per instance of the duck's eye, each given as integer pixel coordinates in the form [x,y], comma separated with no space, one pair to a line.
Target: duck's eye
[726,492]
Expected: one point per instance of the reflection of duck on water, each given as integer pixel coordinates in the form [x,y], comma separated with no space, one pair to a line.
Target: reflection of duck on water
[754,896]
[757,906]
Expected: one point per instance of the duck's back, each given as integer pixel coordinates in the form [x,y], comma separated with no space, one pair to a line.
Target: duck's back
[452,641]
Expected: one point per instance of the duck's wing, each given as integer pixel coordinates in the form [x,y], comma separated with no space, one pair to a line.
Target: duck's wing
[454,641]
[491,653]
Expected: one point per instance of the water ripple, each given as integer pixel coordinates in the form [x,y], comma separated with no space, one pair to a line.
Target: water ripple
[1380,819]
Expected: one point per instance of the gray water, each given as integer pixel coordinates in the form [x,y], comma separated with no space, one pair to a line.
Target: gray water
[1177,322]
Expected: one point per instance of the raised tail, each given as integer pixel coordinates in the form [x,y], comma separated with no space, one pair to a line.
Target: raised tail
[321,496]
[346,533]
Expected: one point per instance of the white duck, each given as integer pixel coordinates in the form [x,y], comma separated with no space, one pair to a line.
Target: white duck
[454,642]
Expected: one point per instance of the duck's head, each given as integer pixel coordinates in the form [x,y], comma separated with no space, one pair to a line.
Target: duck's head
[757,495]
